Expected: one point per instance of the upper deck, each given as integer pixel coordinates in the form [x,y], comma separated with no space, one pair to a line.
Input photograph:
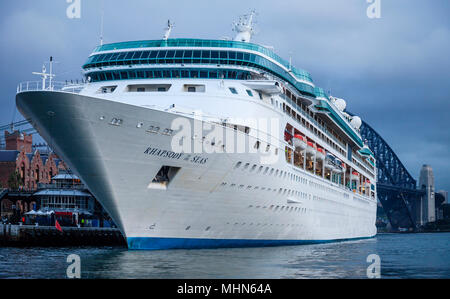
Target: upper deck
[203,43]
[200,52]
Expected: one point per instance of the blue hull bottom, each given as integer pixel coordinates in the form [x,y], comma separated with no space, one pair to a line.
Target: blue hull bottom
[187,243]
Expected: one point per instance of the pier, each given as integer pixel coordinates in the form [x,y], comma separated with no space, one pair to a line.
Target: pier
[49,236]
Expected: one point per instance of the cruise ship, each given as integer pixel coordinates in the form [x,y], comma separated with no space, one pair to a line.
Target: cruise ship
[195,143]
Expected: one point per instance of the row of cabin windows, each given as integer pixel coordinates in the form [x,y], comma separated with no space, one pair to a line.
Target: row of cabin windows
[199,57]
[169,73]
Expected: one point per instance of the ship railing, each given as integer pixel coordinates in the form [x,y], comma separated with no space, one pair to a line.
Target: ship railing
[55,86]
[61,186]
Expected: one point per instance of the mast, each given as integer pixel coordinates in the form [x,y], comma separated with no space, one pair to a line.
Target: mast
[168,30]
[101,24]
[46,75]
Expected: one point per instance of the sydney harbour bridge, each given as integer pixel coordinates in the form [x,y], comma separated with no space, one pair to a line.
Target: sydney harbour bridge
[397,191]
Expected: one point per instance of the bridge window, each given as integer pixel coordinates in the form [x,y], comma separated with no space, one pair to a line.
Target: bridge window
[194,88]
[107,89]
[168,73]
[233,90]
[249,92]
[148,87]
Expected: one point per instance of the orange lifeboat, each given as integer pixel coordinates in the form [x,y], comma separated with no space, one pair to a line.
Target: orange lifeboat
[299,142]
[320,155]
[311,148]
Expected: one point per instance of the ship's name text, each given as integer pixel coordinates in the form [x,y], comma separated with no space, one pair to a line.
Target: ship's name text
[152,151]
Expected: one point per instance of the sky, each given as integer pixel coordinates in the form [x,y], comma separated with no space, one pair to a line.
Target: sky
[393,71]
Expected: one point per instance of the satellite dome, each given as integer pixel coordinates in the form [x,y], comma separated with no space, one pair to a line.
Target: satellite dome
[340,104]
[356,122]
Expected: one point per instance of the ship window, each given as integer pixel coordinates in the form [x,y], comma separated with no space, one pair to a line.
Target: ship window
[179,54]
[148,74]
[233,90]
[214,54]
[213,75]
[162,54]
[107,89]
[175,74]
[194,88]
[148,87]
[187,54]
[203,74]
[157,74]
[184,74]
[260,96]
[206,54]
[170,54]
[145,54]
[249,92]
[153,54]
[116,75]
[124,75]
[197,54]
[137,55]
[129,55]
[223,54]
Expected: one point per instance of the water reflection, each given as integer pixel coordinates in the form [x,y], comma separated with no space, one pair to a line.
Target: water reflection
[402,256]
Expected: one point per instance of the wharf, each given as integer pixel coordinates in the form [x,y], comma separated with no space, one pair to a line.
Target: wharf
[49,236]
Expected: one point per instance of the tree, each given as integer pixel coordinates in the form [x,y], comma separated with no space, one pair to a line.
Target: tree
[14,180]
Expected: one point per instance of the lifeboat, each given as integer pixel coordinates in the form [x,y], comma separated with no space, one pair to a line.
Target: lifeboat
[338,166]
[311,148]
[329,162]
[320,155]
[355,175]
[299,142]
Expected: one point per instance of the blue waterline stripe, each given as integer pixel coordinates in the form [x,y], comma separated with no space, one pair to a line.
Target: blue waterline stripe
[136,243]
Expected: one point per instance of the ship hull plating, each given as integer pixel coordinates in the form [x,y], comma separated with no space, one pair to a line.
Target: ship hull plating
[210,202]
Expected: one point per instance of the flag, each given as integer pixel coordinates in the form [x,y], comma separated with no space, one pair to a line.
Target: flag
[58,227]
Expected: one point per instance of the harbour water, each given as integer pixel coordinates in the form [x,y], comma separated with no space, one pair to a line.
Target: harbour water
[402,256]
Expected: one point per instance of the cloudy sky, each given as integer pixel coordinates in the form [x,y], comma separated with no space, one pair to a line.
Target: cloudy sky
[394,71]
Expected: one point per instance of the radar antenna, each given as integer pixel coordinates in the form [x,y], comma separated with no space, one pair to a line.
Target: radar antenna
[244,28]
[168,30]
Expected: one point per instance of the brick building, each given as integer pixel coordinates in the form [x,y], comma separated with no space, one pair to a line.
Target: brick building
[32,166]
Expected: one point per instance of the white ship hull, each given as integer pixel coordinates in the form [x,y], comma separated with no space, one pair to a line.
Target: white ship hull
[209,203]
